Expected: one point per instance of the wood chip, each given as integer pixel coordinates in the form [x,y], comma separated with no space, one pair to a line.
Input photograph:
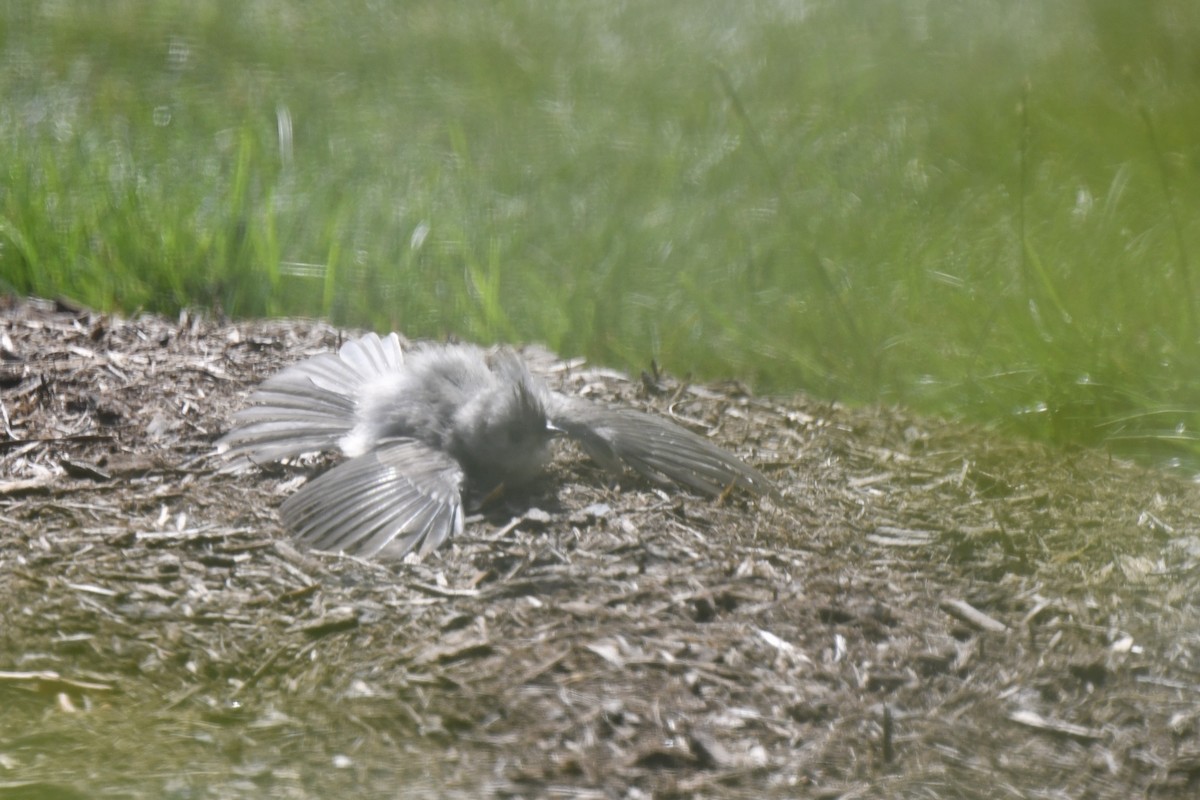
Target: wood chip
[1031,719]
[962,610]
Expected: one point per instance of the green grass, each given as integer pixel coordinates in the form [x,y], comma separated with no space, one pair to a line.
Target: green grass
[978,208]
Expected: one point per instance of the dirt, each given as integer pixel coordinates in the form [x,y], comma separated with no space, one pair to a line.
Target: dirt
[931,611]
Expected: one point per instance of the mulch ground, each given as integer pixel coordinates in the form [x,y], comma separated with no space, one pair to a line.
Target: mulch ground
[931,611]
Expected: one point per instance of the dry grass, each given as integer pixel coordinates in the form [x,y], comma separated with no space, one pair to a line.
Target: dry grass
[931,612]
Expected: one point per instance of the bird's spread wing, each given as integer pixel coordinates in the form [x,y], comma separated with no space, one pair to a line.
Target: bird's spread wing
[653,446]
[310,406]
[401,496]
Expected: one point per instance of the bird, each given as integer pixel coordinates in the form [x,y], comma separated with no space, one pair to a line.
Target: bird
[424,425]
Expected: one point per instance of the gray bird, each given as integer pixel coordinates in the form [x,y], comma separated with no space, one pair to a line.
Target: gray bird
[423,423]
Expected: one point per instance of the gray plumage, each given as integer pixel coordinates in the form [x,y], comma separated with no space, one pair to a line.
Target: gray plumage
[422,424]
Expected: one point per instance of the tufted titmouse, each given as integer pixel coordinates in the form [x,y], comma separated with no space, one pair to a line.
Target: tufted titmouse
[421,424]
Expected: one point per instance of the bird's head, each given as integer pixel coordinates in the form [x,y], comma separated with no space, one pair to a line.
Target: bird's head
[502,435]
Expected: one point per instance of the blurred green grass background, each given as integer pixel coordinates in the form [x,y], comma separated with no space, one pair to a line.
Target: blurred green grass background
[983,208]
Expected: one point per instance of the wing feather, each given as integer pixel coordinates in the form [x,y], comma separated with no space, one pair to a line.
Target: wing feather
[399,497]
[654,447]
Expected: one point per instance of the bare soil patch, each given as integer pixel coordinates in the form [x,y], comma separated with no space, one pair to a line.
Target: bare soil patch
[931,612]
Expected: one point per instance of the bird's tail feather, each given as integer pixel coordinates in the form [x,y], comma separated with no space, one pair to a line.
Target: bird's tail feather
[312,405]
